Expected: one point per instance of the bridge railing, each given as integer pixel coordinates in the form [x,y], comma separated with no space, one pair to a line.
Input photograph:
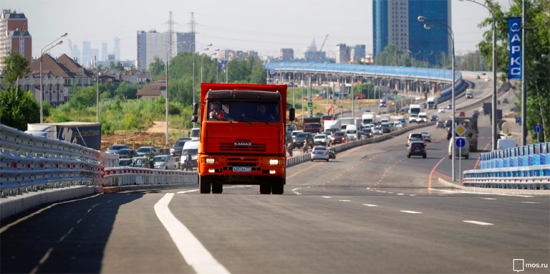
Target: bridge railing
[31,163]
[517,167]
[120,176]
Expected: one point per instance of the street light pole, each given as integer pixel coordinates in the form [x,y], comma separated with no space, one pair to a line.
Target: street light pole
[97,95]
[42,55]
[494,101]
[451,34]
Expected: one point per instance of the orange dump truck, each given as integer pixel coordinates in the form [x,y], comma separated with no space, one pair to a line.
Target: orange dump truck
[242,138]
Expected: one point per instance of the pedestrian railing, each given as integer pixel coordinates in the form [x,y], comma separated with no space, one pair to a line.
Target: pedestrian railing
[120,176]
[32,163]
[517,167]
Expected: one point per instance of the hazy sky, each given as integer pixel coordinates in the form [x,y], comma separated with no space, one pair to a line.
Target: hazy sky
[260,25]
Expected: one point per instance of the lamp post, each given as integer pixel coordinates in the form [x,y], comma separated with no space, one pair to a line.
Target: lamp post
[41,55]
[449,31]
[97,97]
[494,103]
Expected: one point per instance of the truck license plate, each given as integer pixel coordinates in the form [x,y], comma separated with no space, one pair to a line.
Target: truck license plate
[242,169]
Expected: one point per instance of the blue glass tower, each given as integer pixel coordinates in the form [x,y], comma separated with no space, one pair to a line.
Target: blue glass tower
[395,22]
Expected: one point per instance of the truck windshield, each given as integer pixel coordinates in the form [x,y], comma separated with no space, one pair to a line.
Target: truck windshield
[248,111]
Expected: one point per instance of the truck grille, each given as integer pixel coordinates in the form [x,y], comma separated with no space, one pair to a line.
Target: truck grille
[254,147]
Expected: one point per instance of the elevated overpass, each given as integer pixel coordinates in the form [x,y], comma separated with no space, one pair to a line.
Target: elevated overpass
[404,79]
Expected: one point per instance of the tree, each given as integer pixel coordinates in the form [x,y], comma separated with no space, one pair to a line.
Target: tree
[157,68]
[119,66]
[15,67]
[18,108]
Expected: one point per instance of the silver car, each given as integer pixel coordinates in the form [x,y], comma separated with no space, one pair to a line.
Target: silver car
[319,153]
[165,162]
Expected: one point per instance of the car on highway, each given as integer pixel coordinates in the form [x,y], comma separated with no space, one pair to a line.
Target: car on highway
[140,162]
[328,133]
[114,148]
[338,137]
[147,150]
[321,139]
[126,153]
[487,79]
[124,162]
[477,77]
[193,148]
[434,118]
[483,73]
[475,113]
[376,130]
[461,114]
[505,100]
[416,148]
[165,162]
[178,146]
[448,123]
[386,128]
[367,110]
[441,110]
[427,137]
[449,106]
[367,132]
[296,132]
[440,124]
[415,137]
[320,153]
[301,138]
[369,126]
[397,125]
[459,152]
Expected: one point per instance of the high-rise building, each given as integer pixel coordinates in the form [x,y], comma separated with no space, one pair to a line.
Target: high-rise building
[286,54]
[14,35]
[153,44]
[342,53]
[104,52]
[116,50]
[396,22]
[357,53]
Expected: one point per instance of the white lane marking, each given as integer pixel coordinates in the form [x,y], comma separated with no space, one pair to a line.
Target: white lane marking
[476,222]
[411,212]
[369,205]
[412,195]
[490,199]
[188,191]
[479,193]
[191,249]
[400,194]
[530,202]
[390,192]
[195,190]
[345,200]
[326,197]
[296,192]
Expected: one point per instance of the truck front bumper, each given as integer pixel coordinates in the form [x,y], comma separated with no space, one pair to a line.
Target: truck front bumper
[242,168]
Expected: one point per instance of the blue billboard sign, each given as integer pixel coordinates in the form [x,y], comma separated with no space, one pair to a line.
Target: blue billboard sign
[514,33]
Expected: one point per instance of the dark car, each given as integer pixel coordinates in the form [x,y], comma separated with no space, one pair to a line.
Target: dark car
[301,138]
[440,124]
[178,146]
[416,148]
[505,100]
[124,162]
[338,137]
[475,113]
[126,153]
[448,123]
[114,148]
[434,118]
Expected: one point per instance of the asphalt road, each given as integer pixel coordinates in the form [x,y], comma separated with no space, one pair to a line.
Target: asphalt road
[370,210]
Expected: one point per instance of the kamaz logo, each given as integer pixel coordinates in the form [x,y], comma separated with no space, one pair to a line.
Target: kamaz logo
[242,144]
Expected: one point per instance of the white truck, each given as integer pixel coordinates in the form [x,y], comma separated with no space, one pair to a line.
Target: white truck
[422,117]
[368,118]
[332,125]
[344,121]
[351,132]
[469,94]
[414,110]
[432,102]
[384,118]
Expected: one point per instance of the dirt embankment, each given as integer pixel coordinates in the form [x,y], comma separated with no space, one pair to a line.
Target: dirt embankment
[154,136]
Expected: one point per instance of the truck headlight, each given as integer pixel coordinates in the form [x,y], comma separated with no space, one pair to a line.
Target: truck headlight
[273,162]
[210,160]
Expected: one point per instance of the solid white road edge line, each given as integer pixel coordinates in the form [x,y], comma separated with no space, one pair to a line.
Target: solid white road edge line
[530,202]
[476,222]
[481,193]
[411,212]
[345,200]
[193,252]
[369,205]
[326,197]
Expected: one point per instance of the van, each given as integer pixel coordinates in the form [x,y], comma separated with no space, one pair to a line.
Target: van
[195,134]
[463,151]
[505,143]
[351,132]
[193,148]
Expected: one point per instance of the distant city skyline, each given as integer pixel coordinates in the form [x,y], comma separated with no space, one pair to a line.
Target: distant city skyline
[275,25]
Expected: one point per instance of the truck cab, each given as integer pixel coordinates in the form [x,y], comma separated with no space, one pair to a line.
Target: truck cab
[242,136]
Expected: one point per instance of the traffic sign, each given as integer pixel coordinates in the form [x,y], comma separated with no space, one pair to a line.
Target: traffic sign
[538,128]
[518,120]
[460,142]
[460,130]
[309,104]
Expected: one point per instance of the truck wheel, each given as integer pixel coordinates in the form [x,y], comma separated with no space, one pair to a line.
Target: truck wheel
[265,187]
[278,186]
[204,184]
[217,188]
[424,156]
[466,157]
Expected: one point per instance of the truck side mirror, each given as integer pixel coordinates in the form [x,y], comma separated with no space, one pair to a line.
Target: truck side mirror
[195,109]
[291,114]
[194,118]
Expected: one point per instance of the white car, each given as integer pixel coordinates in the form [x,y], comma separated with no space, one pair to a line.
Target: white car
[487,79]
[427,137]
[321,139]
[376,130]
[319,153]
[165,162]
[441,110]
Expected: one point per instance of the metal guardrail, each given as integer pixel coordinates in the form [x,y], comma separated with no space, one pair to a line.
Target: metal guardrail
[429,73]
[119,176]
[32,163]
